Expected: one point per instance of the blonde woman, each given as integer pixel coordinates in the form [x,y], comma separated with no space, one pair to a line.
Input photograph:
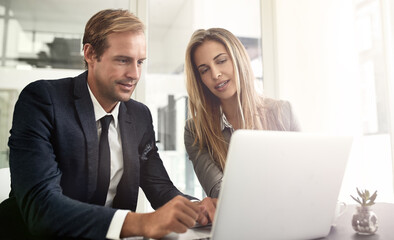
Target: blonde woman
[222,99]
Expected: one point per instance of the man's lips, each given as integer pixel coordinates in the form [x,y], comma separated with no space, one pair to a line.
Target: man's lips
[127,84]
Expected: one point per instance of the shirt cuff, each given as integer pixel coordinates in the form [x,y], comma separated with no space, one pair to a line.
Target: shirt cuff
[116,224]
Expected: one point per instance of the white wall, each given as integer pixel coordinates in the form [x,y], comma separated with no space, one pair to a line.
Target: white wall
[168,52]
[240,17]
[317,63]
[388,26]
[316,69]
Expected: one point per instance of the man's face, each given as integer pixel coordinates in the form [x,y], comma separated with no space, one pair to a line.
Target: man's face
[114,77]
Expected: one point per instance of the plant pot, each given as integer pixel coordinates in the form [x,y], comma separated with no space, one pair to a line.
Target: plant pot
[364,221]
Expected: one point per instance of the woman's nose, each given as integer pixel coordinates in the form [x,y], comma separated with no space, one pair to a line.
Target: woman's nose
[215,73]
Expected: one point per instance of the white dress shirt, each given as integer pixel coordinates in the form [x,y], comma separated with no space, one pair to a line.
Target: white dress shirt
[115,145]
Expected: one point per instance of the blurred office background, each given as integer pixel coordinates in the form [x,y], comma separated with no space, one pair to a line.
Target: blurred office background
[332,59]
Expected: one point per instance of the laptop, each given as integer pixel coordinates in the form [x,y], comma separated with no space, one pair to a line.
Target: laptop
[280,185]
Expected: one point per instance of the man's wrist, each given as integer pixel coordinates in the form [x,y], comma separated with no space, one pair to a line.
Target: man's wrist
[133,225]
[116,224]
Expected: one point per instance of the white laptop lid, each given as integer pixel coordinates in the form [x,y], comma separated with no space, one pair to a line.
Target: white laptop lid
[280,185]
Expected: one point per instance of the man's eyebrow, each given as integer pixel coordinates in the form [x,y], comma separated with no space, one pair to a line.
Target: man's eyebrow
[127,57]
[122,56]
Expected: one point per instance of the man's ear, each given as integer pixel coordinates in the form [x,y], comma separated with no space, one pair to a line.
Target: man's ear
[88,53]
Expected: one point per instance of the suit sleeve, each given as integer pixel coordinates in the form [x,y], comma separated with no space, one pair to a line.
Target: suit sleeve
[35,174]
[154,178]
[208,173]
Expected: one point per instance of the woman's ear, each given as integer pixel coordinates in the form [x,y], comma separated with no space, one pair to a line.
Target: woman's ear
[89,54]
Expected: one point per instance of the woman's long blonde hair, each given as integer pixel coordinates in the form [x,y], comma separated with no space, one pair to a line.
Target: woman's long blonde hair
[204,107]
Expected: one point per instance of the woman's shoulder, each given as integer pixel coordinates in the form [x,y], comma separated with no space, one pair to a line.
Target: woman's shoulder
[275,104]
[189,124]
[279,115]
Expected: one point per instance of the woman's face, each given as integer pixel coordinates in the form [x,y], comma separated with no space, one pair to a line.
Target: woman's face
[216,69]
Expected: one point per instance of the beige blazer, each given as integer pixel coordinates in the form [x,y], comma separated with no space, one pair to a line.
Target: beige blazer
[207,171]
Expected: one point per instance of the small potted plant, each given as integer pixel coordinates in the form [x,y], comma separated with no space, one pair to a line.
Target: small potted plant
[364,220]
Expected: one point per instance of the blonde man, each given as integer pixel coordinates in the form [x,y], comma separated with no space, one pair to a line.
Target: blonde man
[80,148]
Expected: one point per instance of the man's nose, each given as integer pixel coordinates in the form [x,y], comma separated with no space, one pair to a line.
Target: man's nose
[133,71]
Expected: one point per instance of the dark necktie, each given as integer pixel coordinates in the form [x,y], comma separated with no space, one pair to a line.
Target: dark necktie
[104,164]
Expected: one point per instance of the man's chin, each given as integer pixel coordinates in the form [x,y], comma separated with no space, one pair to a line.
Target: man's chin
[125,97]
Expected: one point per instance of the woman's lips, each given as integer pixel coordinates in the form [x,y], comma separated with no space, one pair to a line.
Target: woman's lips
[222,85]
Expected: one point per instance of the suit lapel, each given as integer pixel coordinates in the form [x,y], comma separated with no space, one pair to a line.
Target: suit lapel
[127,191]
[85,111]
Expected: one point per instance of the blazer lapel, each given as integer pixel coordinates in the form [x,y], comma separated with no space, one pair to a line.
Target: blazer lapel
[127,191]
[85,111]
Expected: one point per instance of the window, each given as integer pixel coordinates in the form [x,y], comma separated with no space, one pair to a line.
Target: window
[371,60]
[40,40]
[374,155]
[332,63]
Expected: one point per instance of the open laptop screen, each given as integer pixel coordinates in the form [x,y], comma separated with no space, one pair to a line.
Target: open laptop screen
[280,185]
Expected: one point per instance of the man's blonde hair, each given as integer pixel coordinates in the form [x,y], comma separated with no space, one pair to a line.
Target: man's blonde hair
[106,22]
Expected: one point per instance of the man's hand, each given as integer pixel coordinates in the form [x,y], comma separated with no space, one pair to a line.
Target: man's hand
[177,215]
[207,210]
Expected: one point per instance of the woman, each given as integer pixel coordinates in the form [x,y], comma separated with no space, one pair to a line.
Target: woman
[222,99]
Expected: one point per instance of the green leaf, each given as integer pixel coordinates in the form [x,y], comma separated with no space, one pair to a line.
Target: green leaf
[372,198]
[359,193]
[366,198]
[366,194]
[357,200]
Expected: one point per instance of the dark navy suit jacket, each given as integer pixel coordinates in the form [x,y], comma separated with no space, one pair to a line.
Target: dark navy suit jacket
[54,163]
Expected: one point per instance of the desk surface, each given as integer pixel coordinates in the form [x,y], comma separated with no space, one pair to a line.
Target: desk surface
[342,231]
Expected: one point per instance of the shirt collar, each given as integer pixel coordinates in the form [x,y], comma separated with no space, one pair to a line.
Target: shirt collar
[99,112]
[225,123]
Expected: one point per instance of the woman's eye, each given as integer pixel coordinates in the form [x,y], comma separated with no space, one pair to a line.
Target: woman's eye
[220,61]
[203,71]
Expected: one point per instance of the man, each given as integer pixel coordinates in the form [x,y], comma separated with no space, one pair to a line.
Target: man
[61,185]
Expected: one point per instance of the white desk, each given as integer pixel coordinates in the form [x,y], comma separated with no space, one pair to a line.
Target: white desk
[342,231]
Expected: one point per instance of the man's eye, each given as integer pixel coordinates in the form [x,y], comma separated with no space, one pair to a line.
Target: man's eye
[140,62]
[123,61]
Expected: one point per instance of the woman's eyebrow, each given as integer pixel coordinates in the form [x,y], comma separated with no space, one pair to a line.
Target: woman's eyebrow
[220,54]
